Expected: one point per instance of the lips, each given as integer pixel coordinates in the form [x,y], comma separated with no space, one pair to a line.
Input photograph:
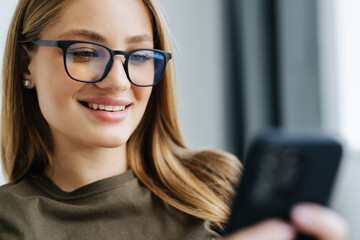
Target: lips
[106,108]
[103,107]
[105,103]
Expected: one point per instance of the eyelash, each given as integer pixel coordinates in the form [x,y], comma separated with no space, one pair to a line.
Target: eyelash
[79,53]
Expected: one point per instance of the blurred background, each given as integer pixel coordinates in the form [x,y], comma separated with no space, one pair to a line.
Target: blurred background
[247,65]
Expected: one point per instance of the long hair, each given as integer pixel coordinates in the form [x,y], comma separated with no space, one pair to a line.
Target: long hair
[200,183]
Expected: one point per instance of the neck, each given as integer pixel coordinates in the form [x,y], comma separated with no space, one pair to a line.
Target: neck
[77,166]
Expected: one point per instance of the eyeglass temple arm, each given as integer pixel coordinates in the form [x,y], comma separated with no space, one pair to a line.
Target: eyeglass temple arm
[46,43]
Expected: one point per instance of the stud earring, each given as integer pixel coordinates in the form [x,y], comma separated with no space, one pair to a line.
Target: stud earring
[27,83]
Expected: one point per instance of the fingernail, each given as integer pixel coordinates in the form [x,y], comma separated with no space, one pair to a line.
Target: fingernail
[302,214]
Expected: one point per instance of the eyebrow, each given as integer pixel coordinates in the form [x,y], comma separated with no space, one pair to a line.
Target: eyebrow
[93,36]
[139,39]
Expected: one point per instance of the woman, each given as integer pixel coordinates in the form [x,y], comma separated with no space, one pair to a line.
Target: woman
[84,112]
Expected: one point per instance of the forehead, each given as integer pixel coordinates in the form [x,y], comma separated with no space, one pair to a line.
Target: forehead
[116,20]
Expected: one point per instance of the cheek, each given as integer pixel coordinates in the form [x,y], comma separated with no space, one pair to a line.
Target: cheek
[142,95]
[55,90]
[53,97]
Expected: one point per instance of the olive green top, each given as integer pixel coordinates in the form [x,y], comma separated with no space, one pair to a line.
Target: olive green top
[119,207]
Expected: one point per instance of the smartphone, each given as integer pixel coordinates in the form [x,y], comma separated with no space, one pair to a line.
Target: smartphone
[282,169]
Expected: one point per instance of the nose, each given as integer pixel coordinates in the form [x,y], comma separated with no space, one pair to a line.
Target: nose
[116,79]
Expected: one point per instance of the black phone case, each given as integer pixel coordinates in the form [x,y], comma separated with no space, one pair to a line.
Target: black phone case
[281,170]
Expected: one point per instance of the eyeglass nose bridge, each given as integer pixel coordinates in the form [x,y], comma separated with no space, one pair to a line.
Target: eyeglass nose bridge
[118,52]
[111,63]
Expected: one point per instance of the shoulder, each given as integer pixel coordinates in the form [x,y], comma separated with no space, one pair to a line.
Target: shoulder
[13,208]
[179,223]
[16,190]
[14,197]
[9,191]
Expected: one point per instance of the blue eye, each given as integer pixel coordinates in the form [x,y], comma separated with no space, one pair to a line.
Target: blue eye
[139,58]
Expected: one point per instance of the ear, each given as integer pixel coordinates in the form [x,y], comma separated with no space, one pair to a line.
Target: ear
[28,78]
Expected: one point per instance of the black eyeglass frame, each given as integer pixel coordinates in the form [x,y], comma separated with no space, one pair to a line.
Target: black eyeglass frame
[64,45]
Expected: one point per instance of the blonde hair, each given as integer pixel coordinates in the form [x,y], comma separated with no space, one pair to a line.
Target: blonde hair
[200,183]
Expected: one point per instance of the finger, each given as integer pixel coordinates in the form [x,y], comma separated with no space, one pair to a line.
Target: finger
[321,222]
[269,230]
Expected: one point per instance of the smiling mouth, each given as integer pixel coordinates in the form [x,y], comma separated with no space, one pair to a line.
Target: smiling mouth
[101,107]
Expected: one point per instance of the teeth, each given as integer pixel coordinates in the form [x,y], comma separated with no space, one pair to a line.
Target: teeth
[106,107]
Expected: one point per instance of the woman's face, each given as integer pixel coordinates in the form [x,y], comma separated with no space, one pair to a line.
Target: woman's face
[119,24]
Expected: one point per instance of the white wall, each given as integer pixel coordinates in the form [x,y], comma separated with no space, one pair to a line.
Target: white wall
[198,33]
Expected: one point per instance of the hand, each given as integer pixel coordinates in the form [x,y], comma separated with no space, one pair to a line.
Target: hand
[311,219]
[318,221]
[273,229]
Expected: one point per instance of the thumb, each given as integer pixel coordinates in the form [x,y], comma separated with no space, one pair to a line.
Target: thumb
[319,221]
[270,230]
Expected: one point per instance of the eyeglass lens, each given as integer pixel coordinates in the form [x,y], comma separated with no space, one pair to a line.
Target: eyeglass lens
[88,62]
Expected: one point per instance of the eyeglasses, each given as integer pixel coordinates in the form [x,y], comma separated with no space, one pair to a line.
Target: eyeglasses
[91,62]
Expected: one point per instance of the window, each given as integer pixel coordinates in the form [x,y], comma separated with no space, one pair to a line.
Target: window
[348,62]
[340,55]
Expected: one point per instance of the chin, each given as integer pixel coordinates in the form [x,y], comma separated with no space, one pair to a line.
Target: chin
[110,143]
